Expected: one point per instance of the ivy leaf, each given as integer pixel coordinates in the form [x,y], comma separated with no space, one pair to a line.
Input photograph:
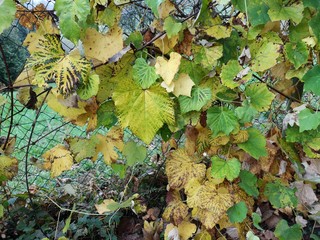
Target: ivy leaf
[229,72]
[168,69]
[102,46]
[311,79]
[57,159]
[256,144]
[238,212]
[143,111]
[72,16]
[246,113]
[228,169]
[134,153]
[199,98]
[284,232]
[308,120]
[172,26]
[154,4]
[256,219]
[181,168]
[266,57]
[90,87]
[7,14]
[259,96]
[249,183]
[297,53]
[144,74]
[279,12]
[8,168]
[280,196]
[222,120]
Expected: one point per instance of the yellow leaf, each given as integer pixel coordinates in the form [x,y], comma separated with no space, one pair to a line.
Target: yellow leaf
[103,207]
[8,168]
[107,145]
[175,212]
[90,116]
[168,69]
[171,232]
[186,230]
[266,57]
[181,168]
[165,44]
[57,159]
[183,85]
[102,47]
[219,31]
[165,8]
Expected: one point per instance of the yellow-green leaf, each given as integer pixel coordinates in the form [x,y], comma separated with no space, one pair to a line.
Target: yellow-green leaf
[259,96]
[266,57]
[8,168]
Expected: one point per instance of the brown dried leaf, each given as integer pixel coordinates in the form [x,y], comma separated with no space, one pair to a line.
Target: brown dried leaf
[305,193]
[31,18]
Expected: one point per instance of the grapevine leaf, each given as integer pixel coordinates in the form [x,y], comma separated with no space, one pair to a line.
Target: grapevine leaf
[143,74]
[134,153]
[219,31]
[256,219]
[102,47]
[186,229]
[171,26]
[168,69]
[108,143]
[308,120]
[222,120]
[176,211]
[83,148]
[246,113]
[209,202]
[256,144]
[266,57]
[143,111]
[154,4]
[106,114]
[259,96]
[110,15]
[279,12]
[297,53]
[199,98]
[135,38]
[183,85]
[249,183]
[311,79]
[208,57]
[72,16]
[7,14]
[181,168]
[238,212]
[229,72]
[228,169]
[89,88]
[8,168]
[280,196]
[284,232]
[57,159]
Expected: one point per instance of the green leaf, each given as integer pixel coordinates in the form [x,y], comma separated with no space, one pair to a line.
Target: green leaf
[266,57]
[259,96]
[311,3]
[256,219]
[238,212]
[154,4]
[119,169]
[249,183]
[143,111]
[199,98]
[311,79]
[208,57]
[280,196]
[222,120]
[89,88]
[110,15]
[7,13]
[1,211]
[229,72]
[171,26]
[297,53]
[315,26]
[134,153]
[106,114]
[72,16]
[279,12]
[247,112]
[135,38]
[68,221]
[256,144]
[250,236]
[228,169]
[308,120]
[195,71]
[144,74]
[284,232]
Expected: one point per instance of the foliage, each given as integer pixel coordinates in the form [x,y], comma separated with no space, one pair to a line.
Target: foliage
[219,77]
